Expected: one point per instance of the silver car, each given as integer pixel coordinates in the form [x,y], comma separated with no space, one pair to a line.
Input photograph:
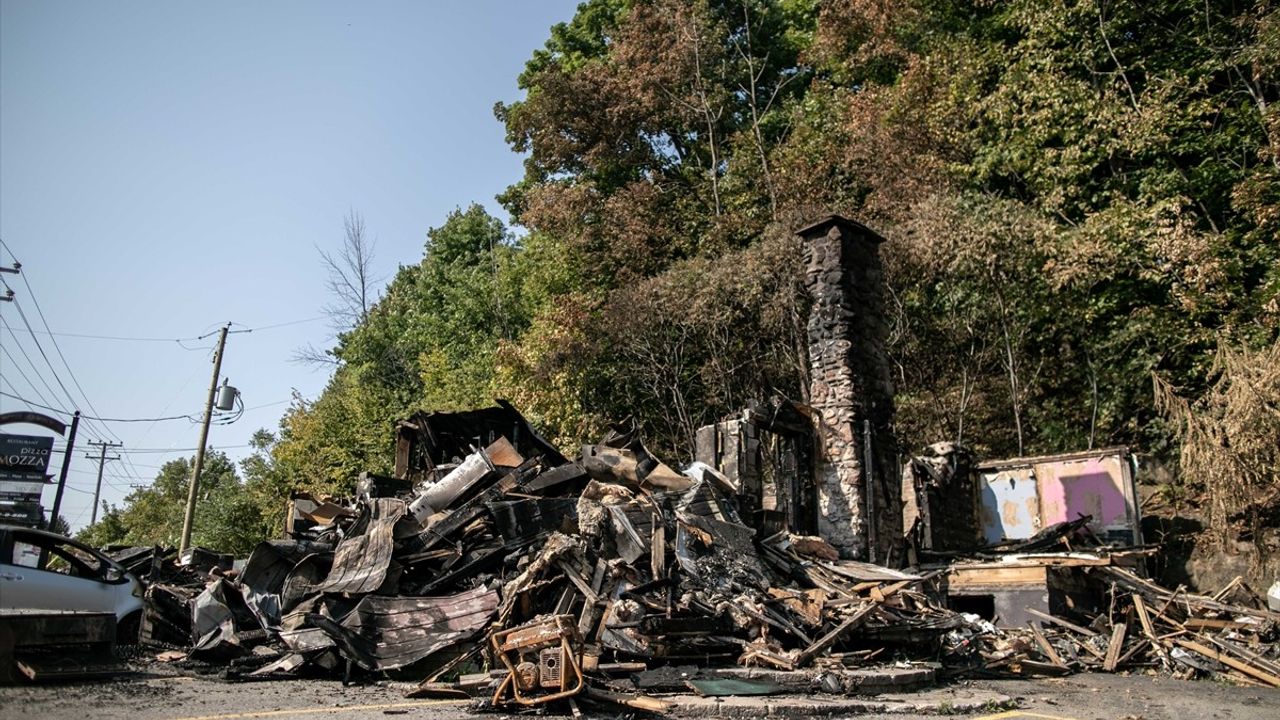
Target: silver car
[45,571]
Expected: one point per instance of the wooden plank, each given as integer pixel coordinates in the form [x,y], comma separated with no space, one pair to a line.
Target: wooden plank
[587,620]
[1213,624]
[1059,621]
[1031,667]
[597,577]
[658,549]
[834,636]
[1260,662]
[1229,661]
[566,601]
[1134,649]
[1141,607]
[1043,642]
[879,595]
[1218,596]
[1088,647]
[576,578]
[961,576]
[1062,560]
[1115,646]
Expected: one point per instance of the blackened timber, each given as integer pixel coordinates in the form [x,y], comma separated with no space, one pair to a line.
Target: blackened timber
[482,561]
[461,516]
[836,635]
[524,521]
[700,625]
[557,476]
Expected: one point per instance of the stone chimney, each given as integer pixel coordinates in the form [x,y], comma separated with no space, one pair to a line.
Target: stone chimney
[851,392]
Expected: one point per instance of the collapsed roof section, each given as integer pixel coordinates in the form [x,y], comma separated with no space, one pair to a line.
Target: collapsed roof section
[428,440]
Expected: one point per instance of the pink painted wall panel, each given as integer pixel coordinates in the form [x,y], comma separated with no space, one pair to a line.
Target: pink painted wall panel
[1065,489]
[1094,487]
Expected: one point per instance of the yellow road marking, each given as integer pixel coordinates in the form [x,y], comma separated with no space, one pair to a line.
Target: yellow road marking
[1020,714]
[317,711]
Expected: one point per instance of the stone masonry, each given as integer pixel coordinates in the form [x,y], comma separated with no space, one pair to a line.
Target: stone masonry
[851,392]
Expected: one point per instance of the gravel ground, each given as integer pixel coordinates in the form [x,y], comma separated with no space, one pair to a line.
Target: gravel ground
[162,695]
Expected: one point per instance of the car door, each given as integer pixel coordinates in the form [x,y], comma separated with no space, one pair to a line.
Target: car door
[47,573]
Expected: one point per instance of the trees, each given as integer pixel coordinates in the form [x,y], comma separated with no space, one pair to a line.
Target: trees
[1071,190]
[226,518]
[430,341]
[1076,195]
[351,283]
[648,126]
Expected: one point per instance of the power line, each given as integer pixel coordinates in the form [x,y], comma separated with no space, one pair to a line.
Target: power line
[43,354]
[118,486]
[88,426]
[30,384]
[163,451]
[74,380]
[102,466]
[89,429]
[178,340]
[91,417]
[119,338]
[95,425]
[283,324]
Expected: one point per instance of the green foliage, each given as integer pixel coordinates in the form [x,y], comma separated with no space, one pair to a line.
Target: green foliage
[1076,195]
[648,128]
[60,525]
[431,341]
[226,518]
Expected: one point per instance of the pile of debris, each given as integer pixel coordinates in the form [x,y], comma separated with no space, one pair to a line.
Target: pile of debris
[494,567]
[1147,626]
[565,576]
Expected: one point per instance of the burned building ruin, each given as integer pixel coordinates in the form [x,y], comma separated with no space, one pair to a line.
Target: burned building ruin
[829,468]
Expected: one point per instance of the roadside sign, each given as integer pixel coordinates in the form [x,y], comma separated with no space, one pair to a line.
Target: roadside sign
[23,490]
[27,454]
[21,513]
[7,476]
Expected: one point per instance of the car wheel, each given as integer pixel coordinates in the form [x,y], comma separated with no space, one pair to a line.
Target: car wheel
[128,629]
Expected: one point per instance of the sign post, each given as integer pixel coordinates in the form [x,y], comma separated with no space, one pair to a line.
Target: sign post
[24,467]
[62,476]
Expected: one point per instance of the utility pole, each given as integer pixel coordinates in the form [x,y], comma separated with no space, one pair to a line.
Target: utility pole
[17,268]
[102,462]
[204,439]
[66,465]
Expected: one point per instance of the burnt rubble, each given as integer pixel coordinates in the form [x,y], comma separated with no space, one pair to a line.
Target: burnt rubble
[493,567]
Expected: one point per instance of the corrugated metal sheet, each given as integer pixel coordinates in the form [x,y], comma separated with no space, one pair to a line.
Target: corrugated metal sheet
[384,633]
[360,562]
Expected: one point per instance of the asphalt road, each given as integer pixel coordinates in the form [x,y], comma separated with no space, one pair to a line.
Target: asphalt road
[154,697]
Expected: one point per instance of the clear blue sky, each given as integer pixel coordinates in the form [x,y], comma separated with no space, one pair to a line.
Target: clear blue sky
[169,166]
